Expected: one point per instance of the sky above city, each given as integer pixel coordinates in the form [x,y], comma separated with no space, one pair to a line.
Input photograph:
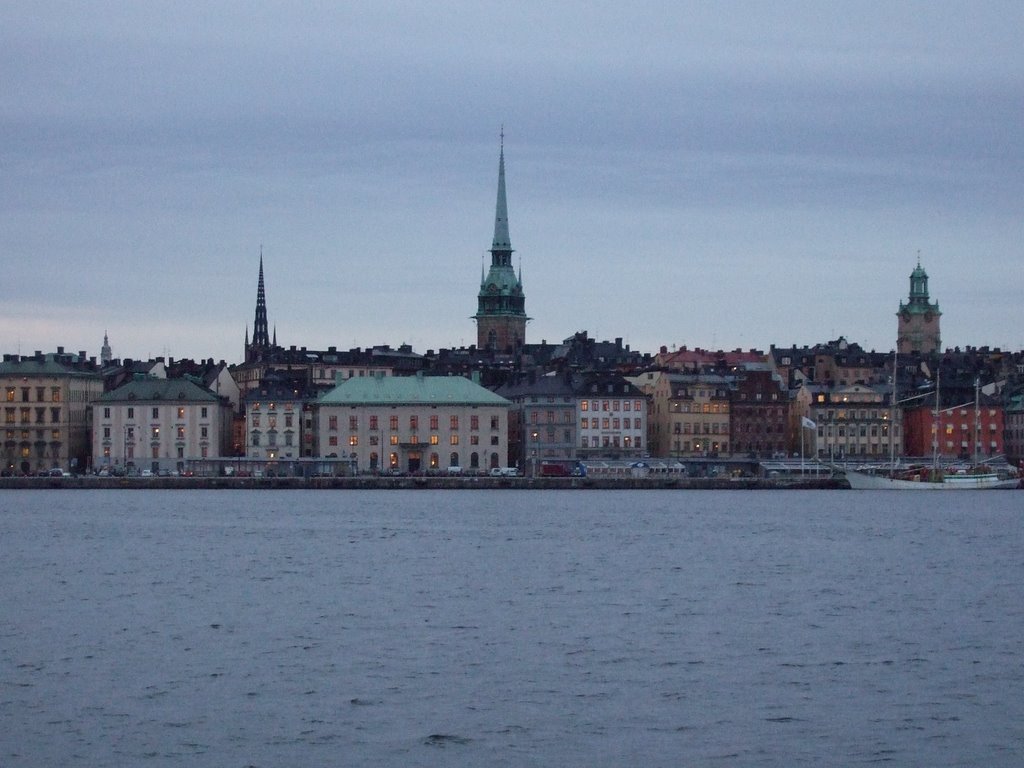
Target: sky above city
[719,175]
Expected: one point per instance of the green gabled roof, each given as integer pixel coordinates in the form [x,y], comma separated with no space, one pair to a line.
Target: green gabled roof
[411,390]
[47,366]
[149,389]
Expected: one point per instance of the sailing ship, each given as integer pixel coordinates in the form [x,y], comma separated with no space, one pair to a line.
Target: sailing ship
[975,476]
[930,479]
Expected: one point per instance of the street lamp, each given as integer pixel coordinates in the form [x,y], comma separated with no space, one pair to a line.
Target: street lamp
[533,472]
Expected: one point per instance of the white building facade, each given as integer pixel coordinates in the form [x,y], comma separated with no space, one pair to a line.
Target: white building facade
[413,424]
[159,425]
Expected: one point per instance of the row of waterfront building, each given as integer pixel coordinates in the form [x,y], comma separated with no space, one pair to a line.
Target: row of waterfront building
[391,410]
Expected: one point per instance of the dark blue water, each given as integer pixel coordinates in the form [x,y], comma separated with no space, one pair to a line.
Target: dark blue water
[505,628]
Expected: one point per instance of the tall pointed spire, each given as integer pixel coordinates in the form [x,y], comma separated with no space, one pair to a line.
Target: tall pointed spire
[502,242]
[260,330]
[501,312]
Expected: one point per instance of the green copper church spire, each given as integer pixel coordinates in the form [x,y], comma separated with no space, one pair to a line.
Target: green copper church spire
[502,242]
[501,312]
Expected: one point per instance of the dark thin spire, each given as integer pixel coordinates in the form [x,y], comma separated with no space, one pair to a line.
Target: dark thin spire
[260,331]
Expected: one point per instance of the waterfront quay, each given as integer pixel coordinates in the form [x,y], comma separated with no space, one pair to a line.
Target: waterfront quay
[375,482]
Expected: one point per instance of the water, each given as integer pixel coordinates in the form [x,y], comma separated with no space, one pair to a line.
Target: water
[507,628]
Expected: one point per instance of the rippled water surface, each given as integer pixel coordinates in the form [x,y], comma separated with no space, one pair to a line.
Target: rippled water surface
[507,628]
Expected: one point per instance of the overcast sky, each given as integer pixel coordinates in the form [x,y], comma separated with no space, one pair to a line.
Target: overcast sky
[709,174]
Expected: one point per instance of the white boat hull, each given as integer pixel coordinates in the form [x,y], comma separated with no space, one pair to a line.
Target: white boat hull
[863,481]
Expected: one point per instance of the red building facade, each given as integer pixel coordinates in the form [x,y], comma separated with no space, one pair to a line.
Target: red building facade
[963,431]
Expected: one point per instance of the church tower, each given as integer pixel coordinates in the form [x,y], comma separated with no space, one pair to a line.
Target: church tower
[501,305]
[106,354]
[918,329]
[260,331]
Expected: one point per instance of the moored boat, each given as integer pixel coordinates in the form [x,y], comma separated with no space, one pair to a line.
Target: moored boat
[927,480]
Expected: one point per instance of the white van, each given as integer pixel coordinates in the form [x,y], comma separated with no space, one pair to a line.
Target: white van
[504,472]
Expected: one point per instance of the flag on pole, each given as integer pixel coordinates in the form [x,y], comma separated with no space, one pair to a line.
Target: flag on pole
[804,421]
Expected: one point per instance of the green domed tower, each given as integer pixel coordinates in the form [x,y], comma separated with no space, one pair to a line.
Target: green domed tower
[918,329]
[501,304]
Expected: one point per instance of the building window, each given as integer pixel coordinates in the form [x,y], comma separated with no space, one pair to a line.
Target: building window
[353,440]
[181,412]
[203,412]
[10,394]
[494,439]
[434,440]
[332,440]
[332,422]
[455,422]
[455,440]
[433,422]
[584,406]
[131,413]
[106,413]
[373,422]
[495,423]
[474,422]
[353,422]
[181,433]
[414,422]
[156,412]
[394,439]
[254,420]
[393,423]
[203,432]
[474,439]
[155,433]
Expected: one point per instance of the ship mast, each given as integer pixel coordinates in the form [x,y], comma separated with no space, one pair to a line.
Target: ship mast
[977,420]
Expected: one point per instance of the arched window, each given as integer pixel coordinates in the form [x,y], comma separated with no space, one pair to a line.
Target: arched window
[453,460]
[494,461]
[374,460]
[434,461]
[474,460]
